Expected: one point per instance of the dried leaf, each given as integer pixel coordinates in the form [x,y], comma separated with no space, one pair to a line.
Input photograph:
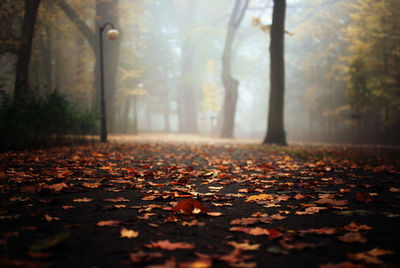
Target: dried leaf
[260,197]
[108,223]
[129,233]
[167,245]
[251,231]
[190,207]
[244,246]
[82,200]
[352,237]
[142,256]
[119,199]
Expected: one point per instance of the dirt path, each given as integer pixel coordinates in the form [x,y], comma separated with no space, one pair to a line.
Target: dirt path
[121,204]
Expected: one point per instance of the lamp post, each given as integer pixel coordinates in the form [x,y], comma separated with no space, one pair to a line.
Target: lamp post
[112,34]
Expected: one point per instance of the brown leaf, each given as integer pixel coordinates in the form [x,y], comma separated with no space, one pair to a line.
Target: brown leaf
[370,256]
[352,237]
[244,221]
[251,231]
[310,210]
[244,246]
[57,187]
[142,256]
[82,200]
[260,197]
[352,227]
[167,245]
[50,218]
[92,185]
[234,257]
[108,223]
[364,197]
[119,199]
[193,223]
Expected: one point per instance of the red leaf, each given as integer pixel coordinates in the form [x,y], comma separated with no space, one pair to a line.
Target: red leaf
[190,207]
[273,233]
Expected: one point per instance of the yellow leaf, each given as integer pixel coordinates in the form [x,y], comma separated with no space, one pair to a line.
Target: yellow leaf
[129,233]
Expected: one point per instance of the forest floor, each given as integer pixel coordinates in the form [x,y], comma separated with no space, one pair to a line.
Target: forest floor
[196,202]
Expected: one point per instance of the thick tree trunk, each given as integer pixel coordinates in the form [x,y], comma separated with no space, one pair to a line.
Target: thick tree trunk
[230,84]
[107,11]
[21,89]
[275,131]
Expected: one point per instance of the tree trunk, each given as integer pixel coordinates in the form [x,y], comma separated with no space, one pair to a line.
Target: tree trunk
[230,84]
[187,101]
[21,88]
[46,50]
[275,131]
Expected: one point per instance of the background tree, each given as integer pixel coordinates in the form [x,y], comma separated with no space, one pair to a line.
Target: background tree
[231,84]
[275,129]
[21,87]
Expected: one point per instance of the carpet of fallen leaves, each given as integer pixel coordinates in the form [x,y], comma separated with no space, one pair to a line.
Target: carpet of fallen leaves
[183,205]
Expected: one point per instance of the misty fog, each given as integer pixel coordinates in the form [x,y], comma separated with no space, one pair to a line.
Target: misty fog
[168,64]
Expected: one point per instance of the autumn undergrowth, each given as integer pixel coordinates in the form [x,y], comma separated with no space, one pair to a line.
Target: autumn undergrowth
[44,121]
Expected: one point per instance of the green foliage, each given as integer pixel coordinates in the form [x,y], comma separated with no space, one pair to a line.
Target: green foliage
[43,120]
[358,91]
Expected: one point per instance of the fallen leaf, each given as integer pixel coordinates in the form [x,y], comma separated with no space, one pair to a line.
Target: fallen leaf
[251,231]
[129,233]
[364,197]
[370,256]
[92,185]
[189,207]
[273,233]
[82,200]
[193,223]
[352,237]
[310,210]
[108,223]
[57,187]
[50,218]
[244,246]
[119,199]
[214,214]
[260,197]
[142,256]
[352,227]
[167,245]
[234,257]
[394,189]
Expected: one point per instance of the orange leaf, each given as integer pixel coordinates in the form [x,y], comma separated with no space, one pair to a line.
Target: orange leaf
[108,223]
[167,245]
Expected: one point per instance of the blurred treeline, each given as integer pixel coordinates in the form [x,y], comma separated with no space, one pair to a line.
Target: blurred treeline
[164,73]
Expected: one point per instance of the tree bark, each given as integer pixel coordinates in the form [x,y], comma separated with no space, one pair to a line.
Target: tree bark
[21,89]
[275,131]
[231,84]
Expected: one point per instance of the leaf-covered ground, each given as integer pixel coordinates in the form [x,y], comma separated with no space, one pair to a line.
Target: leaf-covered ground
[183,205]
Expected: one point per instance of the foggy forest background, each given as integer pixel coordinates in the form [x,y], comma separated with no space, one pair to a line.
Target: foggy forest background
[342,64]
